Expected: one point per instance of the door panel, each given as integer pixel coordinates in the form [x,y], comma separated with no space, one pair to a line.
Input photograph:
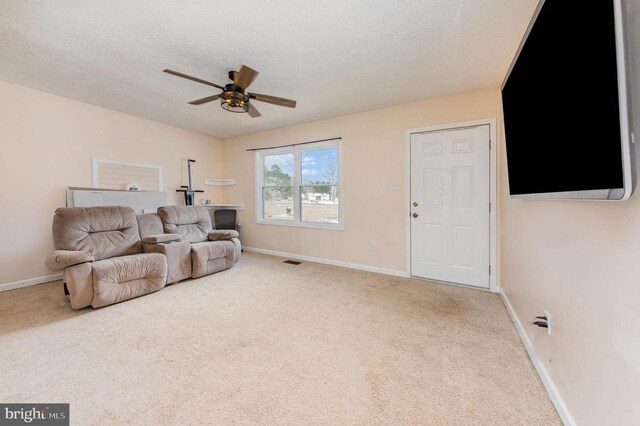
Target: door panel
[450,184]
[433,185]
[433,241]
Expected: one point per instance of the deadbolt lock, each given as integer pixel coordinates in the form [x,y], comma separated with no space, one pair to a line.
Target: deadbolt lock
[415,204]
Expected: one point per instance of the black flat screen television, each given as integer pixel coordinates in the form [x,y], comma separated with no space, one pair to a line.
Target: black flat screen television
[565,105]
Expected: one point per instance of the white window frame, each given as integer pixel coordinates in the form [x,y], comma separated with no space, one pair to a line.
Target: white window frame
[297,150]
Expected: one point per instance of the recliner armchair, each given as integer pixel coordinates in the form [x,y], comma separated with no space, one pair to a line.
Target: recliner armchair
[100,253]
[211,250]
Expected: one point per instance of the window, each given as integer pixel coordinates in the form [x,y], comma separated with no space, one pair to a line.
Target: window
[300,185]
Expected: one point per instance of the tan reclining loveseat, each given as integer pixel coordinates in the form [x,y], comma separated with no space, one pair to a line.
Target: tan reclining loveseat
[211,250]
[108,254]
[100,253]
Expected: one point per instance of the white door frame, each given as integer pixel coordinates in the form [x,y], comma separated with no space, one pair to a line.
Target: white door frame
[493,186]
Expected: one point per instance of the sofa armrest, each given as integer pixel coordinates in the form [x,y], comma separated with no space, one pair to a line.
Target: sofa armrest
[161,238]
[222,234]
[61,259]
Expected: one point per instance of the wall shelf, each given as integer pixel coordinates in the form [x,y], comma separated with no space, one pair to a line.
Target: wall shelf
[220,182]
[223,206]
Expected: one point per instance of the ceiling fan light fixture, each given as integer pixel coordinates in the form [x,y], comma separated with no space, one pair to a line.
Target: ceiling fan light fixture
[236,102]
[231,106]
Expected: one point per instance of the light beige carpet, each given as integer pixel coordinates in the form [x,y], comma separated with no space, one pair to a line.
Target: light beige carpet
[270,343]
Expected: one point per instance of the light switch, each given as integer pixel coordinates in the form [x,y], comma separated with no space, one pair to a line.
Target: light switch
[394,186]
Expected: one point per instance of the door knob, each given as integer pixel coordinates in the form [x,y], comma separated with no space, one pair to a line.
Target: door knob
[415,204]
[415,215]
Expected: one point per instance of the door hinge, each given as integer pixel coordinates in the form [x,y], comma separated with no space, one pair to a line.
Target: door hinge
[489,269]
[489,207]
[489,143]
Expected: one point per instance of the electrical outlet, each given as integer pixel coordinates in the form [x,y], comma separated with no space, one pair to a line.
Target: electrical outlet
[548,315]
[372,245]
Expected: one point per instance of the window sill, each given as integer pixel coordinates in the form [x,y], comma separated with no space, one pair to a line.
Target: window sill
[323,226]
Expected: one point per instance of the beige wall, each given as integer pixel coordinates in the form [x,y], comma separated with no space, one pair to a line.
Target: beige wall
[581,262]
[374,155]
[47,143]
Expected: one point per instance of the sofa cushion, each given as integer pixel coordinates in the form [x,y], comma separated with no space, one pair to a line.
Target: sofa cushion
[126,277]
[102,231]
[211,257]
[149,224]
[193,223]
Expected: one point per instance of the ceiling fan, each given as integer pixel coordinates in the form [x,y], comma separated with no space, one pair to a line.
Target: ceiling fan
[234,97]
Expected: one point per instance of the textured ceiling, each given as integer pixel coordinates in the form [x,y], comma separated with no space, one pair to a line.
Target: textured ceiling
[333,56]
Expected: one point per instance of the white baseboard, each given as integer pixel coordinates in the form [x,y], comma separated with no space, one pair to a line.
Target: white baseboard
[552,390]
[29,282]
[360,267]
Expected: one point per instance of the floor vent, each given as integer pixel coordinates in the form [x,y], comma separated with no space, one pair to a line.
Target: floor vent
[292,262]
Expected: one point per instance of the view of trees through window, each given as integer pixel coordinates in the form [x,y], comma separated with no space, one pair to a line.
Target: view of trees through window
[319,191]
[318,186]
[277,192]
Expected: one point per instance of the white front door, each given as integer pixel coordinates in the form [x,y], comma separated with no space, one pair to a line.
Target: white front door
[450,195]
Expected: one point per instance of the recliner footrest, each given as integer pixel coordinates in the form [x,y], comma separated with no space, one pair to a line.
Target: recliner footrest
[123,278]
[211,257]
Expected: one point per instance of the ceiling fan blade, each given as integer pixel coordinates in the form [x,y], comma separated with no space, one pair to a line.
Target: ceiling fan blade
[188,77]
[204,100]
[273,100]
[245,77]
[253,111]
